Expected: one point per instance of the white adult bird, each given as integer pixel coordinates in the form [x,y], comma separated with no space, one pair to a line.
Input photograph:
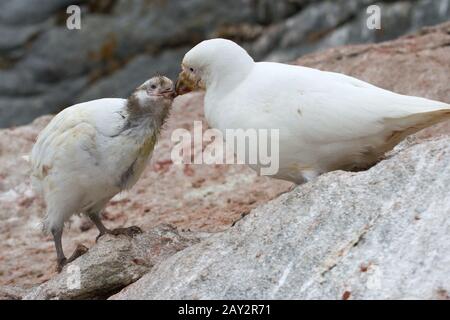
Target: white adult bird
[327,121]
[91,151]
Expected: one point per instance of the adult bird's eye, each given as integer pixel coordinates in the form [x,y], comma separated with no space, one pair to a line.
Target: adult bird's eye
[153,86]
[191,69]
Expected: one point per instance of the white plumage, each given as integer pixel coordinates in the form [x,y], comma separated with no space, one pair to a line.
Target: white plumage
[72,150]
[91,151]
[327,120]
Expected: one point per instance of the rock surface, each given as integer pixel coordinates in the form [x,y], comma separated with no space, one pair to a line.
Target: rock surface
[44,67]
[327,24]
[113,263]
[12,293]
[414,65]
[379,234]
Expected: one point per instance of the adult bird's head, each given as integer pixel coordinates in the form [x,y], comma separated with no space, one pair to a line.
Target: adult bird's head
[213,61]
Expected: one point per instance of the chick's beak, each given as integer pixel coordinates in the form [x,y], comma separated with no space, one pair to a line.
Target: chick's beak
[169,94]
[186,83]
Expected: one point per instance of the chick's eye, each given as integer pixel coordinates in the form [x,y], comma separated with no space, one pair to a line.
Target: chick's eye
[191,69]
[153,86]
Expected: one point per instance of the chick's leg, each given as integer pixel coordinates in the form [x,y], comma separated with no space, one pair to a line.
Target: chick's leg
[95,217]
[130,231]
[60,257]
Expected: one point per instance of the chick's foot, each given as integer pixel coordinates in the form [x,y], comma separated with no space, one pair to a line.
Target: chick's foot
[60,264]
[79,251]
[130,231]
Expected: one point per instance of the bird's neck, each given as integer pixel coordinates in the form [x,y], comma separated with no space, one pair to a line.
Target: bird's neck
[146,120]
[222,86]
[227,77]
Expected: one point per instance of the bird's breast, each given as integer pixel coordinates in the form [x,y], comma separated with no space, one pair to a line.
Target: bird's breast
[134,159]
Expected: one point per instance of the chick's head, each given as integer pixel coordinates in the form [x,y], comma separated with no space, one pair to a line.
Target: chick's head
[155,89]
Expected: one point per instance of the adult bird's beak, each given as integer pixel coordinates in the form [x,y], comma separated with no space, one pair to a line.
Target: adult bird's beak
[187,83]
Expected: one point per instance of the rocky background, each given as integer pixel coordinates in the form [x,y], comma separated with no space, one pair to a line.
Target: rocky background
[45,67]
[213,231]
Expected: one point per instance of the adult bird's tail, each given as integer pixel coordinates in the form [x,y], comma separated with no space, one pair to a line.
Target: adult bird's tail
[419,113]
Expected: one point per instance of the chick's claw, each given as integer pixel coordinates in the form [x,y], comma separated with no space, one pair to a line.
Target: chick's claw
[130,231]
[79,251]
[60,265]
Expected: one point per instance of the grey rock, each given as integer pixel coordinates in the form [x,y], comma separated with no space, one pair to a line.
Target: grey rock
[23,12]
[194,20]
[430,12]
[379,234]
[305,28]
[113,263]
[14,37]
[61,53]
[330,24]
[395,65]
[132,28]
[141,68]
[18,110]
[104,45]
[269,11]
[12,293]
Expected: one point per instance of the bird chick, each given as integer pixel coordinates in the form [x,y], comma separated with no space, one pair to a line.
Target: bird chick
[91,151]
[326,121]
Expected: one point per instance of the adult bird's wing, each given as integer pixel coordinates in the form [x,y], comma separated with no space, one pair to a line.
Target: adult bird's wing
[326,107]
[346,109]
